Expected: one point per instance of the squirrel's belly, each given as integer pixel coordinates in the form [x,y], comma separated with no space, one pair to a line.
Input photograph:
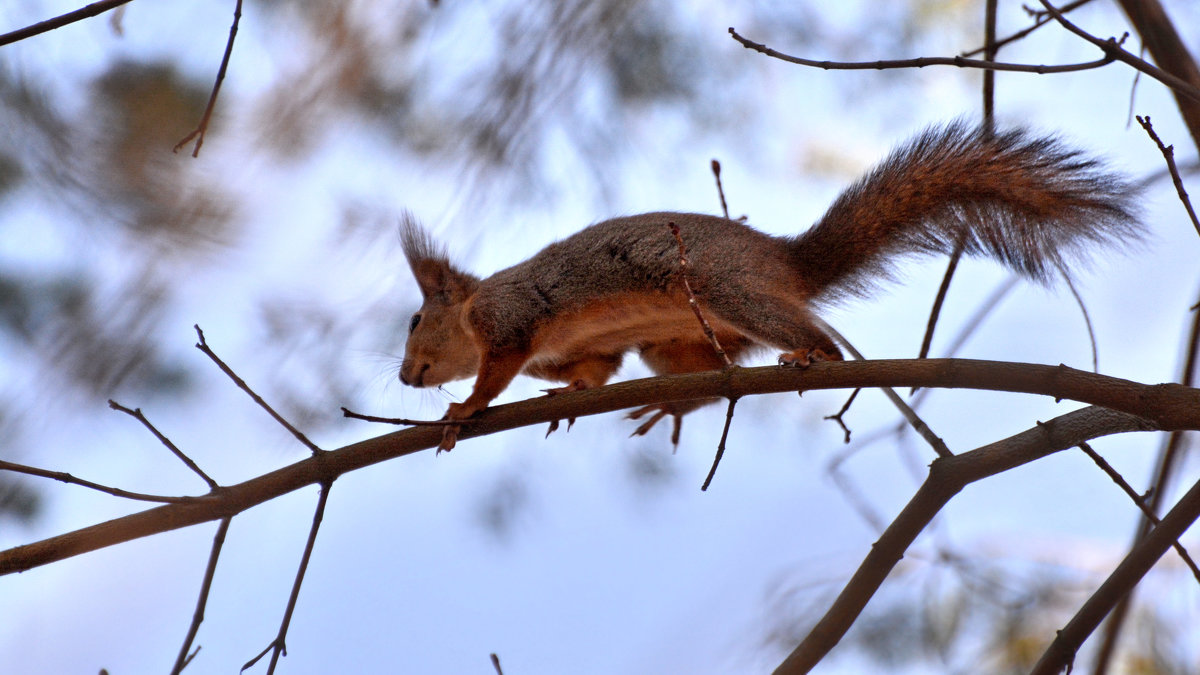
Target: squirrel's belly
[618,323]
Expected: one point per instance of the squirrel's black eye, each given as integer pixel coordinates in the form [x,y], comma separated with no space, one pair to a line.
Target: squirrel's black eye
[416,319]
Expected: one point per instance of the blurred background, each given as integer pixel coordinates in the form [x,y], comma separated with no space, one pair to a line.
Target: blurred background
[504,126]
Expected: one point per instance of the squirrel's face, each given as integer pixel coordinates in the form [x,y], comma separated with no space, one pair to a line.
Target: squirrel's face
[439,349]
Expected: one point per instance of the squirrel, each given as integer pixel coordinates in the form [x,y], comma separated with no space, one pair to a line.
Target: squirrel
[573,311]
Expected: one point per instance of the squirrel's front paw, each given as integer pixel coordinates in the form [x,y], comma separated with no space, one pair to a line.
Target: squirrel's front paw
[454,413]
[805,357]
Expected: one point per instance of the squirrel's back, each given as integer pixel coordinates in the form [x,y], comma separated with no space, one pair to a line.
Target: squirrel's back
[1027,201]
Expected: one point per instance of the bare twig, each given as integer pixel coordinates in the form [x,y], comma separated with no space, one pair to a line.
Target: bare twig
[68,478]
[958,61]
[939,300]
[278,646]
[203,346]
[136,413]
[1138,501]
[184,657]
[346,412]
[48,25]
[839,416]
[496,664]
[1061,652]
[721,444]
[918,424]
[1041,18]
[684,268]
[1113,51]
[1168,153]
[716,169]
[1087,318]
[199,131]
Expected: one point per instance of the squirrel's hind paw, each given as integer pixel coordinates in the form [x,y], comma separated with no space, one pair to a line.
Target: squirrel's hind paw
[660,411]
[554,426]
[577,385]
[805,357]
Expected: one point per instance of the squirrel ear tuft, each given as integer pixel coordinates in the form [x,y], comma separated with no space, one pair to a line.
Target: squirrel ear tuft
[417,243]
[431,266]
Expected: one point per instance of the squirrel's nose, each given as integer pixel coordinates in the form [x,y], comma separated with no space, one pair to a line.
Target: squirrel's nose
[416,381]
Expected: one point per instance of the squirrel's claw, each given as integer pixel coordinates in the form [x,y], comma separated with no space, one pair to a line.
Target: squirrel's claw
[449,438]
[805,357]
[660,411]
[554,426]
[577,385]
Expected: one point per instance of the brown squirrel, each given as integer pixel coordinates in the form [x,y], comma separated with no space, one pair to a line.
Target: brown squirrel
[572,311]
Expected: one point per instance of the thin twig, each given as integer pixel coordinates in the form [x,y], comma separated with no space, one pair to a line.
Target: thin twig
[1168,153]
[184,657]
[1112,50]
[346,412]
[496,664]
[716,169]
[721,445]
[959,61]
[684,267]
[1041,18]
[68,478]
[939,300]
[838,417]
[1138,501]
[1087,318]
[199,131]
[278,646]
[924,430]
[203,346]
[48,25]
[136,413]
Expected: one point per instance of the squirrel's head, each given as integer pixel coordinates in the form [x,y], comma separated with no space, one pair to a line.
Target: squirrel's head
[440,347]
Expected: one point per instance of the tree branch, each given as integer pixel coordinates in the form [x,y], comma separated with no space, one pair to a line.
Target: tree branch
[1061,652]
[1166,406]
[59,21]
[1113,51]
[947,476]
[957,61]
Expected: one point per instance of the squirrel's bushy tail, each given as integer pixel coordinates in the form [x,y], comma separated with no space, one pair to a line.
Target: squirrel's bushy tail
[1027,201]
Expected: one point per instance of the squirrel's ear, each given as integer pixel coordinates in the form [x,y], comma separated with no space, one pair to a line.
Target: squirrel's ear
[431,266]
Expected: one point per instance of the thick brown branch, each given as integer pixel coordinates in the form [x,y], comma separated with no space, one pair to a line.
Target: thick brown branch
[947,476]
[1061,652]
[1166,406]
